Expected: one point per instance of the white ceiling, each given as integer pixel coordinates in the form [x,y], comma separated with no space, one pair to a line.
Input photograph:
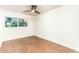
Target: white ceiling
[22,8]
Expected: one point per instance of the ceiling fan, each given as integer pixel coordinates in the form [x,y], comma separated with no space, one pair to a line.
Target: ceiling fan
[33,9]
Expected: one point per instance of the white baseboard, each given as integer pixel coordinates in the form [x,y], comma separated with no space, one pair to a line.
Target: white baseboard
[6,39]
[61,43]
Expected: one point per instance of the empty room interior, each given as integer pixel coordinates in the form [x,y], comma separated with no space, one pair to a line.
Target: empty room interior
[39,28]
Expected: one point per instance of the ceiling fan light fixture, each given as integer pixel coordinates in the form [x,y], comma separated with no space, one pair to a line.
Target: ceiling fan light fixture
[33,10]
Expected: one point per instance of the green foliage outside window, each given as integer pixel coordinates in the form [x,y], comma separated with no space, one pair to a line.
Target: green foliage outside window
[14,22]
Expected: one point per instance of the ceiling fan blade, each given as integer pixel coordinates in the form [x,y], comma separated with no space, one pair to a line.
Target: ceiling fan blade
[27,10]
[37,12]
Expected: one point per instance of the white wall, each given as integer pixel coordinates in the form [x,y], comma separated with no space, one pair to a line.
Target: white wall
[15,32]
[60,25]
